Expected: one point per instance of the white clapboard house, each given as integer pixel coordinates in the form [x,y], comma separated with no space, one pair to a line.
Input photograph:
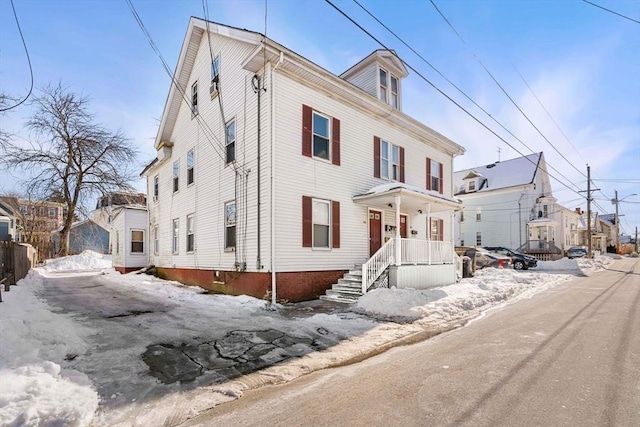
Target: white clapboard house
[278,179]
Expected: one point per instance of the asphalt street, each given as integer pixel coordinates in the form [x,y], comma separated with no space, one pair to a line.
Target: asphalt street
[569,356]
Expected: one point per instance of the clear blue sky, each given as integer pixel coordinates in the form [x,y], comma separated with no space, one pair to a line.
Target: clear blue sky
[582,62]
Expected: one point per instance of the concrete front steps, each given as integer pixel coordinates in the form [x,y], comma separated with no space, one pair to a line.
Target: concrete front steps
[348,289]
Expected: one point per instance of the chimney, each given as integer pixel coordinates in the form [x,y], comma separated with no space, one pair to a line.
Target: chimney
[578,211]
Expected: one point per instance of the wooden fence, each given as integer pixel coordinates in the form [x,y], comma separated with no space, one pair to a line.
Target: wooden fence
[15,261]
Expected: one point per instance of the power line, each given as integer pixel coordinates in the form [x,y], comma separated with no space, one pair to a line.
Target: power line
[611,11]
[15,15]
[548,113]
[504,90]
[439,90]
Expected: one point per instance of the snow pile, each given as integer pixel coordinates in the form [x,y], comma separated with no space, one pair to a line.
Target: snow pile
[36,390]
[86,261]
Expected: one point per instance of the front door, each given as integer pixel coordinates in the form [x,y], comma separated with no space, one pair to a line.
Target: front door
[403,226]
[375,231]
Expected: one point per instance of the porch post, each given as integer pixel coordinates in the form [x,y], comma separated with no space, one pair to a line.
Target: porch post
[398,241]
[428,210]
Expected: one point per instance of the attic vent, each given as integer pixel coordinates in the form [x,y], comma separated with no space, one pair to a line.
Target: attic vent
[491,165]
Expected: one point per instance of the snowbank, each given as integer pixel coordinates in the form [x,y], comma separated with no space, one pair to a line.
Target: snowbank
[35,343]
[86,261]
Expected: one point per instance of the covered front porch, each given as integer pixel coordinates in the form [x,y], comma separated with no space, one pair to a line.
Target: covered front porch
[411,256]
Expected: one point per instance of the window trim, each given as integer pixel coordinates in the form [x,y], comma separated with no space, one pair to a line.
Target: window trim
[329,225]
[388,174]
[215,78]
[471,186]
[479,215]
[192,168]
[175,236]
[194,99]
[156,187]
[328,138]
[176,176]
[156,239]
[228,143]
[383,85]
[190,232]
[227,247]
[131,251]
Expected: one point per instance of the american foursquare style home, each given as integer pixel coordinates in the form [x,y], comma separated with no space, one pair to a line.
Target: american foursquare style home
[278,179]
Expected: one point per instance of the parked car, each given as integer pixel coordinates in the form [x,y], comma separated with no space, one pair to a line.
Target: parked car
[576,252]
[520,261]
[484,258]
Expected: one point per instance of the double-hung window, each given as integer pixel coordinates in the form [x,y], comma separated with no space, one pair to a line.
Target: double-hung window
[435,175]
[190,164]
[478,238]
[191,236]
[321,137]
[194,98]
[176,175]
[230,225]
[52,212]
[156,187]
[215,73]
[383,85]
[137,241]
[175,230]
[230,140]
[389,161]
[479,214]
[472,186]
[321,223]
[393,99]
[156,240]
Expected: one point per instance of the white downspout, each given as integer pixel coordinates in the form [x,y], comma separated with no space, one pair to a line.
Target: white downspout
[398,241]
[273,175]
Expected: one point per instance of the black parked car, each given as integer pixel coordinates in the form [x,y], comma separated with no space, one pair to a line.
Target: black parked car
[520,261]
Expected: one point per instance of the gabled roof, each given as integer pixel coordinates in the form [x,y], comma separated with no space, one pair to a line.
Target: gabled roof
[387,58]
[267,50]
[499,175]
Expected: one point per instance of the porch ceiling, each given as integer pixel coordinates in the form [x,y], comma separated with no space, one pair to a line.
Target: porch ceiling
[411,199]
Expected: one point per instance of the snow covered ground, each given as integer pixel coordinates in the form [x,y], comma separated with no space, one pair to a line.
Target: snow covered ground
[74,331]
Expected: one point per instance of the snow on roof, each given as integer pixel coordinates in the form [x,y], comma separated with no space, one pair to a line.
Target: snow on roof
[394,185]
[509,173]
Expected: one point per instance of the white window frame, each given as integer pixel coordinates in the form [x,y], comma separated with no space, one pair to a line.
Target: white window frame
[194,98]
[435,232]
[478,214]
[176,176]
[156,187]
[190,232]
[175,235]
[52,212]
[472,185]
[315,221]
[478,238]
[230,223]
[215,70]
[383,85]
[392,158]
[435,175]
[131,251]
[314,134]
[156,240]
[230,142]
[191,159]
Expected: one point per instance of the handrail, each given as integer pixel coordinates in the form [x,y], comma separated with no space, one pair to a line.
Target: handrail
[377,264]
[416,251]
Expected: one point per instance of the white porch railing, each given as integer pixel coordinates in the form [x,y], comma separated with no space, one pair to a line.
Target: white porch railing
[377,264]
[413,251]
[428,252]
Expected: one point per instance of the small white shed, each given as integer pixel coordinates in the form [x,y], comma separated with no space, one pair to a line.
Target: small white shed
[129,237]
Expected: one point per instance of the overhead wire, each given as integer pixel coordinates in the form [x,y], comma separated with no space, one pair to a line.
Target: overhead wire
[611,11]
[438,89]
[504,90]
[15,15]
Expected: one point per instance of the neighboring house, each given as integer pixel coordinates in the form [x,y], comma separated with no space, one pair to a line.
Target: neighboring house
[274,175]
[108,204]
[129,237]
[8,230]
[36,221]
[507,203]
[602,232]
[568,224]
[84,235]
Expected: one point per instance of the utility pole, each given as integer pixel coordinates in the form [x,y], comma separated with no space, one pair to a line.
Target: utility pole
[636,239]
[617,226]
[589,190]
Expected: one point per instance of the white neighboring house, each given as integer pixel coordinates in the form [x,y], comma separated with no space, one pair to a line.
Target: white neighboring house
[507,203]
[129,238]
[567,233]
[275,177]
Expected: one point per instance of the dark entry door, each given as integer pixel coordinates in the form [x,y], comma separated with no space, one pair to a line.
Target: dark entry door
[403,226]
[375,231]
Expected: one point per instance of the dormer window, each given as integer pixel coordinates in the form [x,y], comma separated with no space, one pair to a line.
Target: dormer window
[472,186]
[388,88]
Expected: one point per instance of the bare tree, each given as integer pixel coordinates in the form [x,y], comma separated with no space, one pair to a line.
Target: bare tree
[4,135]
[71,156]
